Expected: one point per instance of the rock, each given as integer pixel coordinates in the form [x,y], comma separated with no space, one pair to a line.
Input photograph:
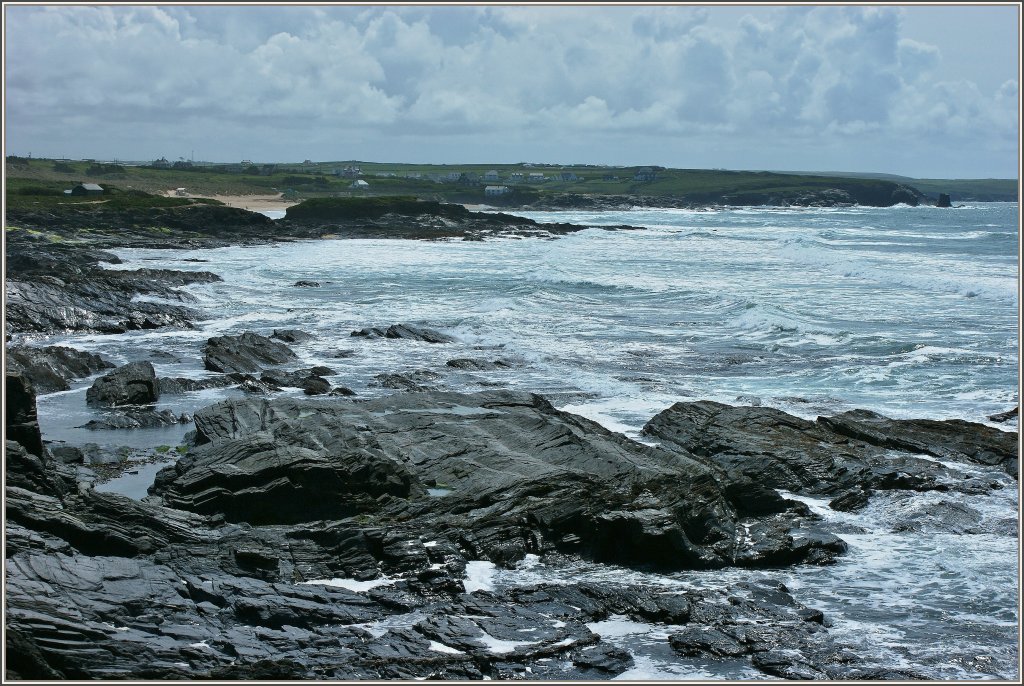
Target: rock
[406,332]
[53,287]
[342,391]
[181,385]
[952,439]
[30,472]
[307,284]
[268,483]
[944,200]
[50,368]
[142,418]
[132,384]
[414,382]
[477,365]
[291,335]
[315,385]
[851,501]
[832,455]
[904,195]
[20,421]
[1004,416]
[295,379]
[546,481]
[248,352]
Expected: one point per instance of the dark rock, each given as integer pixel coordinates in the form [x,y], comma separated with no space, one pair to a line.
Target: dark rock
[142,418]
[851,501]
[23,469]
[291,335]
[50,368]
[904,195]
[295,379]
[342,391]
[833,454]
[315,385]
[68,454]
[477,365]
[944,200]
[181,385]
[307,284]
[406,332]
[248,352]
[132,384]
[952,439]
[54,287]
[415,382]
[1004,416]
[552,481]
[20,421]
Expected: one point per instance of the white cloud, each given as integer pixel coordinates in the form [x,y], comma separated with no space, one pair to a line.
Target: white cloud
[532,73]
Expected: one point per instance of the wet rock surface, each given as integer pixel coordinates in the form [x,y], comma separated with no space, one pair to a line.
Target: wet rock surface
[247,352]
[834,456]
[57,287]
[51,368]
[406,332]
[132,384]
[333,539]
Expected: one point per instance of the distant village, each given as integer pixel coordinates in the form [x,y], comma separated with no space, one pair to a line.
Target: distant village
[495,182]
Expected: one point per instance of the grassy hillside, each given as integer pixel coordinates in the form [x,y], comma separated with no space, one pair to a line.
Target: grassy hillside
[984,190]
[44,180]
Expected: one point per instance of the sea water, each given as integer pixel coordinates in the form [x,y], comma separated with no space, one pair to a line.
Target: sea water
[907,311]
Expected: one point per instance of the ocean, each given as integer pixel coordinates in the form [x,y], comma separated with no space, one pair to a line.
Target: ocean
[907,311]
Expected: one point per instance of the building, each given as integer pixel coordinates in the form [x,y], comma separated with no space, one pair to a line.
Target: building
[645,174]
[359,185]
[491,175]
[87,189]
[536,177]
[568,176]
[516,177]
[495,190]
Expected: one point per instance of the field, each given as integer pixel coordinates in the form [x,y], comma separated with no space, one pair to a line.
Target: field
[42,181]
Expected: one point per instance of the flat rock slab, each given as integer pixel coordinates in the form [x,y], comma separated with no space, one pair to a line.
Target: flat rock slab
[245,353]
[509,471]
[833,455]
[406,332]
[52,367]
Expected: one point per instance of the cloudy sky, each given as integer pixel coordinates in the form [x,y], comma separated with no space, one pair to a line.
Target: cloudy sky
[920,91]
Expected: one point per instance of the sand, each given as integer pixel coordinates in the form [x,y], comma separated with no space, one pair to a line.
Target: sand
[256,203]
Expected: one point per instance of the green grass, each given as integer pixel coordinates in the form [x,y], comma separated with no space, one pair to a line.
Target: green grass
[41,182]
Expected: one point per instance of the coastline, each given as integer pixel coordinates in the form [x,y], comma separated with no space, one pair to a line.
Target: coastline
[361,534]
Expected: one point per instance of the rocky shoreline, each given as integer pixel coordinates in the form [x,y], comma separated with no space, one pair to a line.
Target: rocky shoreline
[338,538]
[326,536]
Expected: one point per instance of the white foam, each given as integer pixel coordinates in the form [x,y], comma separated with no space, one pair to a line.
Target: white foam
[479,576]
[500,646]
[351,584]
[442,648]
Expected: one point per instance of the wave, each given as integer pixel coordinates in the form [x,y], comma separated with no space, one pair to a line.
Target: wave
[765,321]
[937,277]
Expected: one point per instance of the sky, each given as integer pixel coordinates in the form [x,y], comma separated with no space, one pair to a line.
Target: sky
[921,91]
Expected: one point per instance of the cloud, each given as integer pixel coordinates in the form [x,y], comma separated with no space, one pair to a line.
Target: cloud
[532,73]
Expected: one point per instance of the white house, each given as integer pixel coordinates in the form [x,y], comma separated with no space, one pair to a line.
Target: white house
[536,177]
[359,185]
[495,190]
[491,175]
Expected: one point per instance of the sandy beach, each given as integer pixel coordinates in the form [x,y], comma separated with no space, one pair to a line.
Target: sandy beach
[256,203]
